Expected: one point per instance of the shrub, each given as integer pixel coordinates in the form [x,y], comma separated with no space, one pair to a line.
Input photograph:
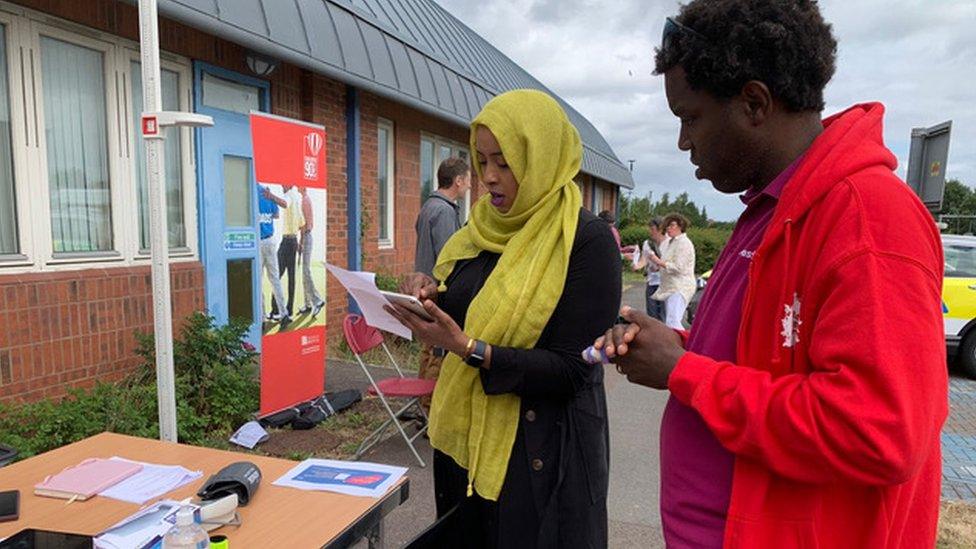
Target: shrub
[708,245]
[389,283]
[708,242]
[216,390]
[37,427]
[217,385]
[634,234]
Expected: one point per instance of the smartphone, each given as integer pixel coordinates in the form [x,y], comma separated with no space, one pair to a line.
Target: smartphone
[9,505]
[410,302]
[44,539]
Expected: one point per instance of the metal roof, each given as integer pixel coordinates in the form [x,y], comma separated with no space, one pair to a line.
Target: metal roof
[411,51]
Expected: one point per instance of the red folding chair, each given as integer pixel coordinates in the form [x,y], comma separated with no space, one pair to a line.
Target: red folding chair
[362,337]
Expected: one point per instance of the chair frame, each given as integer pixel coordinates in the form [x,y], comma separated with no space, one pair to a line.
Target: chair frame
[376,436]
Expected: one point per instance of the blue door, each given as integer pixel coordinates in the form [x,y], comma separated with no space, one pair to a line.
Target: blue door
[228,201]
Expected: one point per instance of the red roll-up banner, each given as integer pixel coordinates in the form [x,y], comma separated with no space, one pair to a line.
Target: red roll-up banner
[290,168]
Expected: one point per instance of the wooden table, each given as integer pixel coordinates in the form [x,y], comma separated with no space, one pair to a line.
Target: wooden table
[276,516]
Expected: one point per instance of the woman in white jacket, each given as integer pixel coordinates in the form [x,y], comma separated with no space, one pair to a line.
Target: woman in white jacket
[677,269]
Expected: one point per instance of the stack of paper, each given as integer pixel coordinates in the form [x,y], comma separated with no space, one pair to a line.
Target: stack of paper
[151,482]
[362,287]
[86,479]
[143,530]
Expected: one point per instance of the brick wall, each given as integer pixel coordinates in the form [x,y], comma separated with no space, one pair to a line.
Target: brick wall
[328,108]
[295,93]
[69,329]
[407,127]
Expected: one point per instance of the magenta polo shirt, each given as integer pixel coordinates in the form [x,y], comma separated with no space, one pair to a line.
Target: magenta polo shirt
[696,471]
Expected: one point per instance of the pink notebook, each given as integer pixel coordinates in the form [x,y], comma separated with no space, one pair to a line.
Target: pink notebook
[86,479]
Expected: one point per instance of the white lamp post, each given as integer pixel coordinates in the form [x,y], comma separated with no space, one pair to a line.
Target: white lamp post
[154,121]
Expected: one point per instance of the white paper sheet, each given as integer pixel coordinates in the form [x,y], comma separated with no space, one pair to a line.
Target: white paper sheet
[151,482]
[249,435]
[355,478]
[361,286]
[143,529]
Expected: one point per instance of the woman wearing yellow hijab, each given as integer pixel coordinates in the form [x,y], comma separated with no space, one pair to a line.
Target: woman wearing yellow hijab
[518,419]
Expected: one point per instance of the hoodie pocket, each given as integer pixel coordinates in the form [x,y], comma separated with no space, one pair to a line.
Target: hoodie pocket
[770,532]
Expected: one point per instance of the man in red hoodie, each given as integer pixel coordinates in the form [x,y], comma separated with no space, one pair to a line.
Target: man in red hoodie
[807,400]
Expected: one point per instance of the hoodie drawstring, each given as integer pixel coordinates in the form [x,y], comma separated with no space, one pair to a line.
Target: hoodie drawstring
[784,291]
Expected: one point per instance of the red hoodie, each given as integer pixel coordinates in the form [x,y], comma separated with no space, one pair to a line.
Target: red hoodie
[834,407]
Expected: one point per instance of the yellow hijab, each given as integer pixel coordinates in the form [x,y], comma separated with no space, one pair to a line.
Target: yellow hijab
[534,238]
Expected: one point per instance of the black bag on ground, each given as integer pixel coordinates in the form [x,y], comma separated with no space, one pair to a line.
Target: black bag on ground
[284,417]
[341,400]
[325,406]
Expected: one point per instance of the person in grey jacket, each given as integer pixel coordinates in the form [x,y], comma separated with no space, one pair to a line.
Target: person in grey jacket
[440,217]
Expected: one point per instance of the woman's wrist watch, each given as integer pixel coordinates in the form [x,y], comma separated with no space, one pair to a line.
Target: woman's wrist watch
[476,357]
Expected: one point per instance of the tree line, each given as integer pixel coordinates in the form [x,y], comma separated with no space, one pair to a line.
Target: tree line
[958,201]
[709,236]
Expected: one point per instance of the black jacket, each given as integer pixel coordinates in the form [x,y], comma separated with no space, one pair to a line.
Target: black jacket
[558,469]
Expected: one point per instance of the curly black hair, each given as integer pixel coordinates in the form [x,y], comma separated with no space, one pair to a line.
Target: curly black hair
[786,44]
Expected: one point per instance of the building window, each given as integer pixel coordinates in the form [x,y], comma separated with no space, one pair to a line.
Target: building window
[385,182]
[72,168]
[175,220]
[597,197]
[76,134]
[230,96]
[427,169]
[9,239]
[429,164]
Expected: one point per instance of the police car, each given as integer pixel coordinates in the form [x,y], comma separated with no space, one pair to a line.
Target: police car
[959,300]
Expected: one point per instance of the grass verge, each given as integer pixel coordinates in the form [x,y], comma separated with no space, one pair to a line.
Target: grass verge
[957,525]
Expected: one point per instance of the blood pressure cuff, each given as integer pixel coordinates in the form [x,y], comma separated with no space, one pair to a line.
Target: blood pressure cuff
[241,478]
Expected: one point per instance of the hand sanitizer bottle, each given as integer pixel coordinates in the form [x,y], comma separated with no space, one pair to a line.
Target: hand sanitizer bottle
[186,534]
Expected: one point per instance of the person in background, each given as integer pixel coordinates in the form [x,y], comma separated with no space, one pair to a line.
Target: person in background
[440,216]
[808,399]
[268,210]
[607,216]
[313,300]
[626,252]
[439,219]
[654,246]
[519,420]
[288,249]
[677,269]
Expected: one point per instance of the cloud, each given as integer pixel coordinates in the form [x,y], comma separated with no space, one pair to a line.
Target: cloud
[918,58]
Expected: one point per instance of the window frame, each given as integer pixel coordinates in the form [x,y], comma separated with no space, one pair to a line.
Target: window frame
[390,221]
[455,146]
[44,243]
[20,139]
[187,162]
[25,28]
[599,199]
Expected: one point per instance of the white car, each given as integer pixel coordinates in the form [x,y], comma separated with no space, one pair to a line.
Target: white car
[959,300]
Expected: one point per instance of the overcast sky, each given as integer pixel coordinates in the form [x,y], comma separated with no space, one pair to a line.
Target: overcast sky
[916,56]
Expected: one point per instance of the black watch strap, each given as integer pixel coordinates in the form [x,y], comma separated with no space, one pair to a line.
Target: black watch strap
[477,356]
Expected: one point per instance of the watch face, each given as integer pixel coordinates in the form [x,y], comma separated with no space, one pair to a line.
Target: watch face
[477,356]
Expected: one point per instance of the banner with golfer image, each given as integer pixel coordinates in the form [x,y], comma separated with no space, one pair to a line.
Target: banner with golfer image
[290,168]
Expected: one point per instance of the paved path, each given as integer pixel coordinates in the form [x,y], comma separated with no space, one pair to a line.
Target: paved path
[959,442]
